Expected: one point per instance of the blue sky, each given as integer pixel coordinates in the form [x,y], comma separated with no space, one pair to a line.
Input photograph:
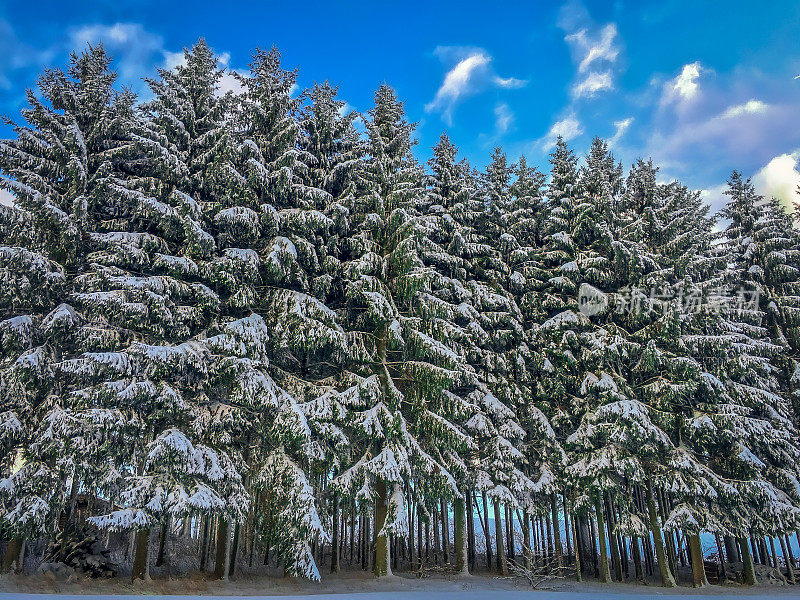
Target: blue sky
[701,87]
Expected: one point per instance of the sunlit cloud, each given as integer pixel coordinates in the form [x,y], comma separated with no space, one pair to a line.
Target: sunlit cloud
[471,74]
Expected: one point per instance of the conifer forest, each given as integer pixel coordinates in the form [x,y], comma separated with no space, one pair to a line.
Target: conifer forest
[252,329]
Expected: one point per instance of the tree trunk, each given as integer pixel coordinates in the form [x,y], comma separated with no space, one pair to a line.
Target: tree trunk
[222,547]
[510,550]
[637,559]
[381,561]
[605,573]
[237,531]
[790,573]
[696,553]
[411,516]
[772,550]
[73,495]
[470,532]
[227,566]
[162,541]
[593,534]
[747,559]
[575,525]
[616,557]
[567,528]
[721,554]
[502,562]
[790,562]
[140,561]
[445,533]
[204,542]
[427,539]
[335,538]
[436,534]
[488,537]
[732,549]
[420,551]
[526,539]
[557,533]
[352,530]
[459,539]
[667,580]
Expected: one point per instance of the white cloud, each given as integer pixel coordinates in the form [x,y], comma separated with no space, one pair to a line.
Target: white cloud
[230,83]
[741,133]
[568,128]
[685,85]
[134,49]
[471,74]
[173,59]
[600,47]
[748,108]
[6,198]
[509,82]
[715,197]
[503,118]
[594,82]
[620,128]
[779,179]
[595,50]
[456,83]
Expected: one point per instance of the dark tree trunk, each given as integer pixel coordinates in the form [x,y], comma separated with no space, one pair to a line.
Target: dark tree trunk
[222,548]
[162,541]
[139,570]
[335,540]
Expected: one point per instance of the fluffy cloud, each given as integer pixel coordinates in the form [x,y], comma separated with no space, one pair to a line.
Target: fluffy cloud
[594,50]
[229,82]
[780,179]
[620,127]
[748,108]
[568,128]
[592,84]
[471,74]
[715,198]
[600,47]
[740,133]
[685,84]
[135,50]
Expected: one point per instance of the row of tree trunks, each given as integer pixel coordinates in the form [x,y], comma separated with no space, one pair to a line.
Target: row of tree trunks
[598,548]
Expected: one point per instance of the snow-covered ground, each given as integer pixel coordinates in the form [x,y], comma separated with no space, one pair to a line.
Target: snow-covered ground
[362,586]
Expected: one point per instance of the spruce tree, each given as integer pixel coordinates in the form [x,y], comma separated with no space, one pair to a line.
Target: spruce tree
[400,353]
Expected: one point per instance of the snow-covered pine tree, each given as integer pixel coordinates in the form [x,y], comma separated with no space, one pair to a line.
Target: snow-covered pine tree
[332,153]
[404,365]
[668,223]
[451,199]
[32,284]
[753,407]
[60,168]
[331,146]
[524,222]
[778,258]
[580,353]
[226,222]
[295,253]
